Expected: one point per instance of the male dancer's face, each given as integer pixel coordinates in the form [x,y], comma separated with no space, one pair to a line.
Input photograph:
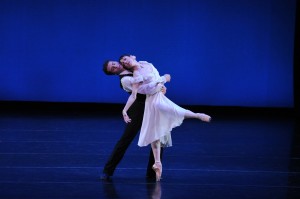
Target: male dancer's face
[114,67]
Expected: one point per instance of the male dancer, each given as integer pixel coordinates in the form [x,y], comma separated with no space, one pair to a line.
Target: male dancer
[136,113]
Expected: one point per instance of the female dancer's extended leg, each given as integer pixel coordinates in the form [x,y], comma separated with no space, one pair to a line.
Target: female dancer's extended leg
[200,116]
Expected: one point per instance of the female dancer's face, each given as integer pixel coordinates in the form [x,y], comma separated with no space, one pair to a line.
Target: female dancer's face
[128,61]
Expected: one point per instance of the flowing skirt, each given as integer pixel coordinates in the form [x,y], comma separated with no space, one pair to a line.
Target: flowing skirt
[161,115]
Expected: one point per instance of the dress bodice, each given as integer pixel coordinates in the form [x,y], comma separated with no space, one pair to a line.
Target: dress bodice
[148,78]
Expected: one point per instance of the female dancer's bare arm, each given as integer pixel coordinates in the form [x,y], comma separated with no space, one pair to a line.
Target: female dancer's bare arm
[129,102]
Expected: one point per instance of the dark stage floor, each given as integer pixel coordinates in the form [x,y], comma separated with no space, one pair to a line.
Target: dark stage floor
[56,154]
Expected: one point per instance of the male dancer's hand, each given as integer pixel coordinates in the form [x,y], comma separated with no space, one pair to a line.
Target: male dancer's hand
[164,90]
[168,77]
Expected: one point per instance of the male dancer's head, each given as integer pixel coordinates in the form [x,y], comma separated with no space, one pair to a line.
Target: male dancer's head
[114,67]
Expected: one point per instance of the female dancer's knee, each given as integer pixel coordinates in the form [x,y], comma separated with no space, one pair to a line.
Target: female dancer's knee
[155,144]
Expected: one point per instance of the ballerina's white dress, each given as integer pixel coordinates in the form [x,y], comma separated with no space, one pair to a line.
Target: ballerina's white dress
[161,115]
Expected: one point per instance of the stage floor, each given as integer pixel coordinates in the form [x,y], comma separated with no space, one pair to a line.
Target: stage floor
[62,154]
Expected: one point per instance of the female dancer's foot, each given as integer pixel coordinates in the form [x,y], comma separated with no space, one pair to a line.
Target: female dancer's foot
[157,167]
[203,117]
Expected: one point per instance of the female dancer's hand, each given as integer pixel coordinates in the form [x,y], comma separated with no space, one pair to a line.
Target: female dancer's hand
[126,117]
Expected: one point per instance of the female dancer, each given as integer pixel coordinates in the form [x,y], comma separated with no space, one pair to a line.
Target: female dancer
[161,115]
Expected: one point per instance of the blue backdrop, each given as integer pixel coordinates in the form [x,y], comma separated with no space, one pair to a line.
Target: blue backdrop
[219,53]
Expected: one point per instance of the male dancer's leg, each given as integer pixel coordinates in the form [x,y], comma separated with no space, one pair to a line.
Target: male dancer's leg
[136,113]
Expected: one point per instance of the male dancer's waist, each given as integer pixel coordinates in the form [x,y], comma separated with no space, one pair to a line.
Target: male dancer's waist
[140,97]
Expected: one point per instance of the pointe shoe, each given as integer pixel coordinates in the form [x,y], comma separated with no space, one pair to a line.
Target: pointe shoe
[157,167]
[204,117]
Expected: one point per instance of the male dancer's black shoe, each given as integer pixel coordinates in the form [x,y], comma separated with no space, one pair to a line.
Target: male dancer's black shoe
[150,176]
[105,177]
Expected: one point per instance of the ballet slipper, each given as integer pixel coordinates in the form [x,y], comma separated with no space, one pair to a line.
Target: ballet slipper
[204,117]
[157,167]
